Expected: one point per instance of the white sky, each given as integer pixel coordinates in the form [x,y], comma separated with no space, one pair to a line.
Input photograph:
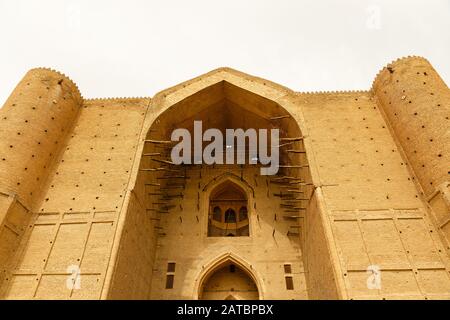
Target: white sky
[137,48]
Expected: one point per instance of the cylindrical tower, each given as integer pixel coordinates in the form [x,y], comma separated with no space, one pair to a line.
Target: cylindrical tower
[33,122]
[416,102]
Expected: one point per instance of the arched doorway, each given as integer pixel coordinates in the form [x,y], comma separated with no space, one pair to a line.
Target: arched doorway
[228,281]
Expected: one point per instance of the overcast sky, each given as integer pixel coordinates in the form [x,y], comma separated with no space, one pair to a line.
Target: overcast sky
[137,48]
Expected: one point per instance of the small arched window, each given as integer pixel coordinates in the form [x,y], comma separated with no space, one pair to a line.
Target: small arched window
[217,214]
[243,214]
[230,216]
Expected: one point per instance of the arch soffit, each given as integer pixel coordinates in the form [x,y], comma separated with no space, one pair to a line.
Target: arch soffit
[228,176]
[276,93]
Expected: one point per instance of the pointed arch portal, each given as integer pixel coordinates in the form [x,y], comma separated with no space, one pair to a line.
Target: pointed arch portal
[228,278]
[176,197]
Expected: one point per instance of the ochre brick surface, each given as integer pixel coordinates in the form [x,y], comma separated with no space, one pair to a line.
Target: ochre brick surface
[83,217]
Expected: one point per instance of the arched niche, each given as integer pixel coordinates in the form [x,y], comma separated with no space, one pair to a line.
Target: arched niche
[228,211]
[235,185]
[228,278]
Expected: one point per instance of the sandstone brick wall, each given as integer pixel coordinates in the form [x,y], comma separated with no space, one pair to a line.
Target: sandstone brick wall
[75,221]
[376,212]
[322,278]
[416,104]
[74,195]
[33,125]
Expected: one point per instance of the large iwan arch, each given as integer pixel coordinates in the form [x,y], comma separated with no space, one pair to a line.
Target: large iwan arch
[176,197]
